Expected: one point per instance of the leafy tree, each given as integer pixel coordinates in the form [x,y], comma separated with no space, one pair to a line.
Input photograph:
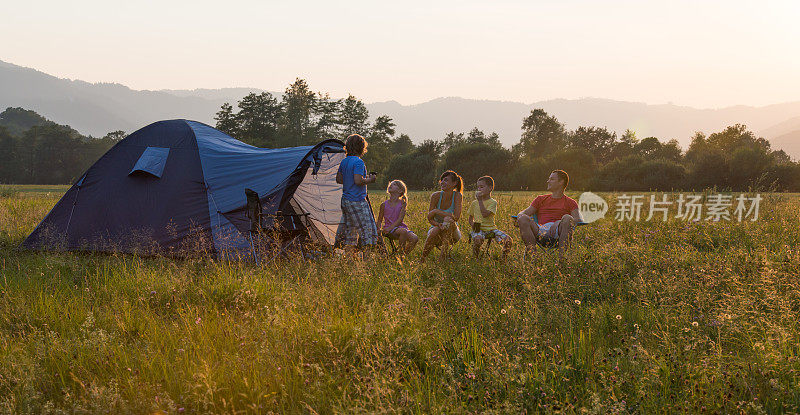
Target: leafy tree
[52,154]
[648,147]
[380,144]
[652,149]
[748,165]
[579,163]
[430,148]
[115,136]
[353,116]
[780,157]
[542,134]
[226,120]
[384,127]
[18,120]
[661,175]
[476,136]
[257,120]
[624,146]
[474,160]
[327,112]
[528,174]
[9,159]
[783,177]
[300,104]
[708,168]
[637,173]
[402,145]
[453,140]
[417,169]
[698,146]
[734,137]
[597,140]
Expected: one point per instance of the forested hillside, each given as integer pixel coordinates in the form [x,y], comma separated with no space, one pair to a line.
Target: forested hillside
[34,150]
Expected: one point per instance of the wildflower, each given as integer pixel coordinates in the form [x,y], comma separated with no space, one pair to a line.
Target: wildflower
[577,302]
[503,311]
[198,320]
[619,317]
[695,324]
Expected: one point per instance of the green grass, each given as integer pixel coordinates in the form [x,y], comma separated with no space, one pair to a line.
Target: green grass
[643,317]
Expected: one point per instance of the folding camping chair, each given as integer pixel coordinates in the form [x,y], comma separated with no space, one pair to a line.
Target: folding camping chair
[545,242]
[288,231]
[488,239]
[392,245]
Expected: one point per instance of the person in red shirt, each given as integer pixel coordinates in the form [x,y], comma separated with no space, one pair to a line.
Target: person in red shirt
[557,215]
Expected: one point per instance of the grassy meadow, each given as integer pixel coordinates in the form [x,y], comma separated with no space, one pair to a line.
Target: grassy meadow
[642,317]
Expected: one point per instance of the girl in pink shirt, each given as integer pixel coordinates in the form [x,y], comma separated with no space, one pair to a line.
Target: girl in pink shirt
[391,214]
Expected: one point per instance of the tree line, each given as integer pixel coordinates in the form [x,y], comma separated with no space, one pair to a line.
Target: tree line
[34,150]
[596,158]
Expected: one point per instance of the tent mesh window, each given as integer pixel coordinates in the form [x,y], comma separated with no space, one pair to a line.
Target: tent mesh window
[152,162]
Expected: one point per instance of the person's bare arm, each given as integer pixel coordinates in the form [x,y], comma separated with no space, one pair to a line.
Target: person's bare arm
[432,210]
[339,178]
[457,211]
[360,180]
[380,217]
[576,214]
[528,213]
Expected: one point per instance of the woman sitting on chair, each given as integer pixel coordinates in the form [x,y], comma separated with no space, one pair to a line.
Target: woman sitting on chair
[444,213]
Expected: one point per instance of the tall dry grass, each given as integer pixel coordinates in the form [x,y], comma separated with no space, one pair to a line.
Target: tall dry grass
[642,317]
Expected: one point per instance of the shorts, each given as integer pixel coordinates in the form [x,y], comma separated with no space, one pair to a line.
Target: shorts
[389,233]
[499,235]
[358,225]
[549,229]
[456,232]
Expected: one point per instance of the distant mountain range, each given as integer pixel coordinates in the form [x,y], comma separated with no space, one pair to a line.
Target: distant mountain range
[98,108]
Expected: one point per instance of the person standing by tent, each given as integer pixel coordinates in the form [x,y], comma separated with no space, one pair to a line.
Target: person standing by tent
[359,223]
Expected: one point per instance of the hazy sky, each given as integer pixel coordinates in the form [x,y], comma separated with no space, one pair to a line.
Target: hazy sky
[697,53]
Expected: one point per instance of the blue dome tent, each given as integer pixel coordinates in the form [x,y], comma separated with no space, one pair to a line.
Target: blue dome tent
[176,187]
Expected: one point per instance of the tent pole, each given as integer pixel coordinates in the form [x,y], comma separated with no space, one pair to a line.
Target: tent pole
[253,249]
[379,237]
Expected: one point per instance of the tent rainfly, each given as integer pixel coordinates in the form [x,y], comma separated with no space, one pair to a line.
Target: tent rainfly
[177,186]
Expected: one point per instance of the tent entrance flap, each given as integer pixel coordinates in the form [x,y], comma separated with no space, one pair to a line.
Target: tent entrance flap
[320,196]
